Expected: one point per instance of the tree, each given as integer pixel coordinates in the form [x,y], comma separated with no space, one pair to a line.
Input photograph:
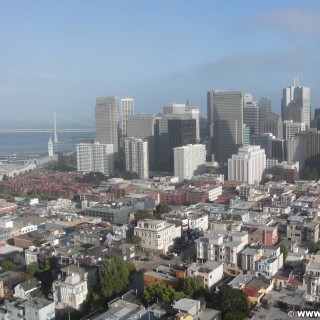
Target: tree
[313,247]
[233,302]
[38,242]
[142,214]
[131,267]
[25,276]
[161,292]
[284,251]
[33,268]
[114,277]
[8,265]
[193,287]
[5,177]
[94,299]
[136,240]
[162,208]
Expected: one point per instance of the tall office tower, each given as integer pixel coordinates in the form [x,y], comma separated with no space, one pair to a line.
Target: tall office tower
[246,135]
[95,157]
[291,129]
[180,133]
[312,152]
[264,140]
[50,148]
[127,109]
[272,123]
[183,111]
[316,120]
[106,114]
[296,149]
[248,165]
[225,122]
[274,148]
[137,157]
[264,105]
[141,126]
[251,117]
[189,160]
[295,104]
[279,149]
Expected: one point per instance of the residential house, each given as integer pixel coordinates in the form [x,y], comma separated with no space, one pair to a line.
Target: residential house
[26,288]
[69,292]
[157,235]
[31,309]
[270,262]
[311,282]
[211,272]
[249,256]
[222,247]
[8,280]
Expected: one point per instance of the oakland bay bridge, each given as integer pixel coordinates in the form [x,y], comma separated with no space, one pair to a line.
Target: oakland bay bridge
[60,123]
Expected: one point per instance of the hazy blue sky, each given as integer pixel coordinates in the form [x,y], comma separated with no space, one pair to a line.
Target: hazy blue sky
[59,55]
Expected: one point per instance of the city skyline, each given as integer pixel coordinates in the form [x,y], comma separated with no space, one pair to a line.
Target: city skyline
[58,60]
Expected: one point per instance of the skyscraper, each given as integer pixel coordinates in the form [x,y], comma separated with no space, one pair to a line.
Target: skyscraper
[95,157]
[106,114]
[251,113]
[180,133]
[271,123]
[295,104]
[127,108]
[291,129]
[141,126]
[264,105]
[136,157]
[225,122]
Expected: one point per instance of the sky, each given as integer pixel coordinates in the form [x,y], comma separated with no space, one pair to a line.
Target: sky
[58,56]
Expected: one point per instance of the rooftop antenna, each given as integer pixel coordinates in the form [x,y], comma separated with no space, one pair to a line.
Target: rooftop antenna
[297,80]
[294,81]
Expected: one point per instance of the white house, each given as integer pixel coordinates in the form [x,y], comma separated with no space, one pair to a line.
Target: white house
[157,234]
[26,288]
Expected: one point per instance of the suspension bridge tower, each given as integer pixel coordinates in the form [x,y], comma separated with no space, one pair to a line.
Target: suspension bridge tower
[55,138]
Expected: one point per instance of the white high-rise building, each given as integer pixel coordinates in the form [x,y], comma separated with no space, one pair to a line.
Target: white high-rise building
[95,157]
[127,109]
[295,104]
[107,121]
[137,157]
[189,160]
[50,148]
[291,129]
[248,165]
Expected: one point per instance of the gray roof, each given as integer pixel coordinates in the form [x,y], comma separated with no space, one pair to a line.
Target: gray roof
[29,284]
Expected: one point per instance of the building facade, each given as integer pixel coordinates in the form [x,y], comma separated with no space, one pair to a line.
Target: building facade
[157,235]
[127,108]
[248,165]
[107,121]
[225,122]
[295,104]
[189,160]
[137,157]
[95,157]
